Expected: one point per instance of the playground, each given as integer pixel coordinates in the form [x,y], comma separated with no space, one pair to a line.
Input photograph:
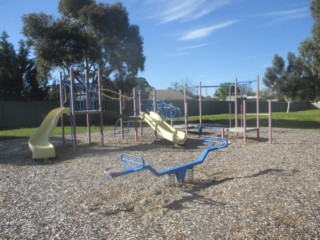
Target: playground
[248,190]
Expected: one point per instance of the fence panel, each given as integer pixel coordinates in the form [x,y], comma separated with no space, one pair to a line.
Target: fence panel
[24,114]
[15,114]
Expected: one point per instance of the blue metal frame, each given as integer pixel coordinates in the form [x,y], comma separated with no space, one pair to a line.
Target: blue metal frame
[165,110]
[127,128]
[200,127]
[134,163]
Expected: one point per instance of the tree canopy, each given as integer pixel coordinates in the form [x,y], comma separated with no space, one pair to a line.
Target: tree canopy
[9,86]
[88,36]
[300,79]
[18,73]
[310,54]
[287,81]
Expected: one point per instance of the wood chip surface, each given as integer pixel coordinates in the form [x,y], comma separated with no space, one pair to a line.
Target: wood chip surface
[252,190]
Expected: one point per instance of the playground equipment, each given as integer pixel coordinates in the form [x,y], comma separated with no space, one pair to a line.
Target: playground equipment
[39,141]
[86,98]
[243,128]
[199,126]
[133,163]
[156,121]
[165,110]
[121,120]
[119,124]
[236,128]
[163,128]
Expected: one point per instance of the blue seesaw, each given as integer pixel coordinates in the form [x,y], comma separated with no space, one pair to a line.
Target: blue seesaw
[134,163]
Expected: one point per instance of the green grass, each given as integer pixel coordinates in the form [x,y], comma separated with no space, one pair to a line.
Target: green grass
[27,132]
[309,119]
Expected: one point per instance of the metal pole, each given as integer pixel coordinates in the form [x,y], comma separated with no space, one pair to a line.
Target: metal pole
[87,106]
[258,108]
[185,109]
[200,105]
[155,109]
[154,98]
[140,105]
[121,113]
[270,120]
[61,88]
[236,103]
[244,120]
[230,107]
[135,112]
[100,107]
[73,112]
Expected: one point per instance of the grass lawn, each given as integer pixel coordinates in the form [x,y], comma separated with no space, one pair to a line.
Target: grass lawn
[309,119]
[27,132]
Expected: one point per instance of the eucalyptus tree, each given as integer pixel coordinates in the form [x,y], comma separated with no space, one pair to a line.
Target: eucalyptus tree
[310,53]
[287,81]
[88,36]
[32,88]
[11,85]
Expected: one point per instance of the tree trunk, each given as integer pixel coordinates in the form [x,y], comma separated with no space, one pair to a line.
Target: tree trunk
[288,100]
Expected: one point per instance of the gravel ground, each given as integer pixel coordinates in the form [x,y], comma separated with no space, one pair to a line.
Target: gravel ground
[250,190]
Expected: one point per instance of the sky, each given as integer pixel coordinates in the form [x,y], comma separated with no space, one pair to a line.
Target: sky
[212,41]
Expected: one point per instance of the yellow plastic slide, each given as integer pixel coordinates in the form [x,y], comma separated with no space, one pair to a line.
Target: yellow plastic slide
[39,141]
[163,128]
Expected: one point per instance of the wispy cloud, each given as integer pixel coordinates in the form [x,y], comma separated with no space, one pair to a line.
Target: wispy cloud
[179,54]
[287,14]
[183,51]
[168,11]
[206,31]
[193,46]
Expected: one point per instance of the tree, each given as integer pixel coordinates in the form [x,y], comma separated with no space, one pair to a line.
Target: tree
[186,83]
[10,84]
[88,36]
[310,53]
[285,80]
[28,75]
[224,90]
[142,84]
[18,73]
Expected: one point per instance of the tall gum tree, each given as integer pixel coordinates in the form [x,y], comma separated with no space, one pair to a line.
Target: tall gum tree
[88,36]
[310,53]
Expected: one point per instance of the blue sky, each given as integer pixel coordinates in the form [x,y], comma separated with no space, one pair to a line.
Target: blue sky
[212,41]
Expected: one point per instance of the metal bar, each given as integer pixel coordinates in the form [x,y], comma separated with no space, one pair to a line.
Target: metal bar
[270,121]
[100,86]
[200,105]
[73,112]
[244,120]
